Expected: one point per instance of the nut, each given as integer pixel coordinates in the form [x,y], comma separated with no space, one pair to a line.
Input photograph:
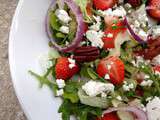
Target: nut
[86,54]
[152,50]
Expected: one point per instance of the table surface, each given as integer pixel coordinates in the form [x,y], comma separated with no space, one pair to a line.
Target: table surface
[9,105]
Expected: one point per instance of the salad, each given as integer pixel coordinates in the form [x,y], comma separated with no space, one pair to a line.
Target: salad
[104,58]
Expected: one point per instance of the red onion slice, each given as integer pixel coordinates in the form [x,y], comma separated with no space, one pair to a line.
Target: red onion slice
[80,27]
[140,114]
[134,35]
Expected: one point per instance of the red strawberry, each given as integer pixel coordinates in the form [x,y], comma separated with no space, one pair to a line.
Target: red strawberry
[154,9]
[109,116]
[89,9]
[112,66]
[134,3]
[62,69]
[112,31]
[104,4]
[157,68]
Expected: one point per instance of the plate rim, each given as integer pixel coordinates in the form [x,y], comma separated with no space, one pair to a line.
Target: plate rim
[11,56]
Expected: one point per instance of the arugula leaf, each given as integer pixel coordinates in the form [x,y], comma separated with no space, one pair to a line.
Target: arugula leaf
[54,21]
[71,96]
[147,69]
[45,81]
[80,110]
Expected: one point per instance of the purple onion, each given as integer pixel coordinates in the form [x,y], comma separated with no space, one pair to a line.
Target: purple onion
[140,114]
[134,35]
[80,27]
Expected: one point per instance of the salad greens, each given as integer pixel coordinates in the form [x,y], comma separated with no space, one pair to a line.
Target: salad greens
[99,62]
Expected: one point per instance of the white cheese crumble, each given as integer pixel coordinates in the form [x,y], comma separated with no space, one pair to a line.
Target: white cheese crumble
[143,34]
[72,63]
[110,35]
[95,38]
[96,26]
[44,62]
[156,60]
[108,67]
[103,95]
[107,77]
[60,83]
[153,109]
[119,11]
[149,99]
[156,31]
[63,15]
[127,86]
[59,92]
[64,29]
[119,98]
[93,88]
[146,83]
[157,72]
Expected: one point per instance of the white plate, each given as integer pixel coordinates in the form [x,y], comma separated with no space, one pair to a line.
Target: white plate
[27,41]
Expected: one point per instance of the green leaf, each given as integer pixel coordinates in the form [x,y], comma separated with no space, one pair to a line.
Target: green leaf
[92,74]
[54,21]
[45,81]
[60,35]
[73,97]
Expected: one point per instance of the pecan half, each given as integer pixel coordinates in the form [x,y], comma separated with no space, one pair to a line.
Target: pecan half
[152,50]
[86,54]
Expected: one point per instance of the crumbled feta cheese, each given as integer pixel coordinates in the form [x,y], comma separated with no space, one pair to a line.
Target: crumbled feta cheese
[156,31]
[63,15]
[64,29]
[146,83]
[146,76]
[44,62]
[95,26]
[110,35]
[66,43]
[157,72]
[153,109]
[93,88]
[149,99]
[103,95]
[72,63]
[107,77]
[95,38]
[136,23]
[108,67]
[127,86]
[119,98]
[97,18]
[128,6]
[71,66]
[143,34]
[59,92]
[60,83]
[156,60]
[119,11]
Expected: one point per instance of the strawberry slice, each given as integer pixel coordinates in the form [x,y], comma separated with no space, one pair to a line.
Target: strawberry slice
[157,68]
[109,116]
[112,31]
[89,9]
[112,66]
[64,70]
[154,9]
[104,4]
